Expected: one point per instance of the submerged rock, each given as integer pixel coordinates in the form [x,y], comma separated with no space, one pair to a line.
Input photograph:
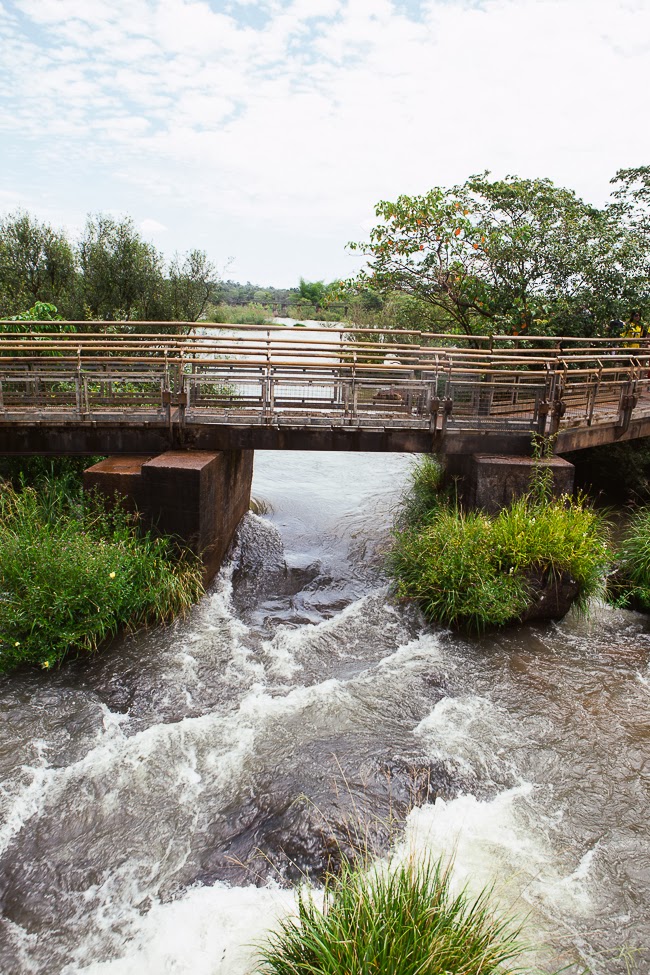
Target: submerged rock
[551,595]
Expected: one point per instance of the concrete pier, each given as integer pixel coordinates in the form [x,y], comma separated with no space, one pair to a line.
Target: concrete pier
[491,481]
[198,495]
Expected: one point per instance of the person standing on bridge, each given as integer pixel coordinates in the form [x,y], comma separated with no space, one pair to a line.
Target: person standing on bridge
[635,329]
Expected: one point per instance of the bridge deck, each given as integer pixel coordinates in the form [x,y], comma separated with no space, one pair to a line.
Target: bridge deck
[118,390]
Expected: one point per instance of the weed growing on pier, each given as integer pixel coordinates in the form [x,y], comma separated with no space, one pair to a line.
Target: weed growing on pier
[471,570]
[631,581]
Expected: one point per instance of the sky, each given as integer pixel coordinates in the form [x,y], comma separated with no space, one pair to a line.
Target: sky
[265,133]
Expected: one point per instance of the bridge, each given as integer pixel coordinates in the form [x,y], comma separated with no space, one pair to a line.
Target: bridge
[180,408]
[124,388]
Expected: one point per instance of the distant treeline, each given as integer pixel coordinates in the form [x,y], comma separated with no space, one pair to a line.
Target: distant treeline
[234,293]
[512,256]
[111,273]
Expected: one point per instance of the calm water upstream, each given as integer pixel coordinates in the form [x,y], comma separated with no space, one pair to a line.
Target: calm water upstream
[156,799]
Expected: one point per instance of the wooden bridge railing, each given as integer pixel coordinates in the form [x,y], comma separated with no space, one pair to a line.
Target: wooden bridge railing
[273,374]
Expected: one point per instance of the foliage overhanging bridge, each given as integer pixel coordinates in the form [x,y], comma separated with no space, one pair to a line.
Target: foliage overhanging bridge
[134,388]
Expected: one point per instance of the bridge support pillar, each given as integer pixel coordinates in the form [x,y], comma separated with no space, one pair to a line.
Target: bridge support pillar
[491,481]
[198,495]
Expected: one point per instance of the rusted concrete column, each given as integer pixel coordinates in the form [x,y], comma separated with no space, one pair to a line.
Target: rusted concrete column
[118,475]
[491,481]
[198,495]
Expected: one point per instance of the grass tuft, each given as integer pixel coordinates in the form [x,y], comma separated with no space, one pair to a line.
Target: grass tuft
[402,919]
[472,571]
[631,581]
[426,495]
[74,572]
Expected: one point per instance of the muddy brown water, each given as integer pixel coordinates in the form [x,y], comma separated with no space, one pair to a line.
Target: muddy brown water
[158,800]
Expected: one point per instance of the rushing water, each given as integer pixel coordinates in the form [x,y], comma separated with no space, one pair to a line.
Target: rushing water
[157,799]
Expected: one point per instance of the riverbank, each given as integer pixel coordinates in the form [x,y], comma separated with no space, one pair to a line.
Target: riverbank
[75,570]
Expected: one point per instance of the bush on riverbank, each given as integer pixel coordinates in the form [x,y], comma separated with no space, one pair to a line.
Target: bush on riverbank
[470,570]
[62,476]
[403,919]
[73,574]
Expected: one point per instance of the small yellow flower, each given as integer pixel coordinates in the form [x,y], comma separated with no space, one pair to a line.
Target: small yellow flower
[46,664]
[111,575]
[17,643]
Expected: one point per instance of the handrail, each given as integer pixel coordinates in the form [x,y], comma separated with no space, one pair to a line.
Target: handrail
[219,373]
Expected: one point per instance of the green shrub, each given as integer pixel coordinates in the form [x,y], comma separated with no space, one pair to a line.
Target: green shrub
[559,536]
[250,314]
[469,570]
[631,583]
[402,920]
[37,471]
[72,575]
[448,567]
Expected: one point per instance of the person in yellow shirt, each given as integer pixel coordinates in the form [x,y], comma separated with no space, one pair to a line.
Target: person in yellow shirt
[635,330]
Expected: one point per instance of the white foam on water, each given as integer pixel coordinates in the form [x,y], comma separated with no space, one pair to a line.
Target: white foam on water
[484,837]
[208,931]
[467,732]
[29,799]
[25,803]
[493,846]
[504,840]
[583,869]
[423,649]
[282,651]
[215,931]
[213,745]
[290,643]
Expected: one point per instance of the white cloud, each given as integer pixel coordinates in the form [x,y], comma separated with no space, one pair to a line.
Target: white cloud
[293,130]
[151,227]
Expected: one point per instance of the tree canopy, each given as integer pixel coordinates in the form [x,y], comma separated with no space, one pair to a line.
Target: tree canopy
[111,273]
[514,255]
[36,264]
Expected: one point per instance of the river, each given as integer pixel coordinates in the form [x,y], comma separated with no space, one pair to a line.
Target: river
[157,798]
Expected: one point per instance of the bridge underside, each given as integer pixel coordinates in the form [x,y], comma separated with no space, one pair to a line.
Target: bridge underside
[150,437]
[24,435]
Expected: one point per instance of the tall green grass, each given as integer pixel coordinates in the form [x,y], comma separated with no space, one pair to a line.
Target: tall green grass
[74,573]
[426,493]
[472,571]
[631,581]
[400,920]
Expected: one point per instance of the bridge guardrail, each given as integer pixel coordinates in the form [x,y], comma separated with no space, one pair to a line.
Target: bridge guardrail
[235,373]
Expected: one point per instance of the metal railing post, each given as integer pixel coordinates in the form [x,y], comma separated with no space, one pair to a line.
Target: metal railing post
[629,399]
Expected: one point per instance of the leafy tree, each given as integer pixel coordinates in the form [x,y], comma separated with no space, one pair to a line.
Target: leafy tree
[48,320]
[121,274]
[36,264]
[312,292]
[191,285]
[512,255]
[631,207]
